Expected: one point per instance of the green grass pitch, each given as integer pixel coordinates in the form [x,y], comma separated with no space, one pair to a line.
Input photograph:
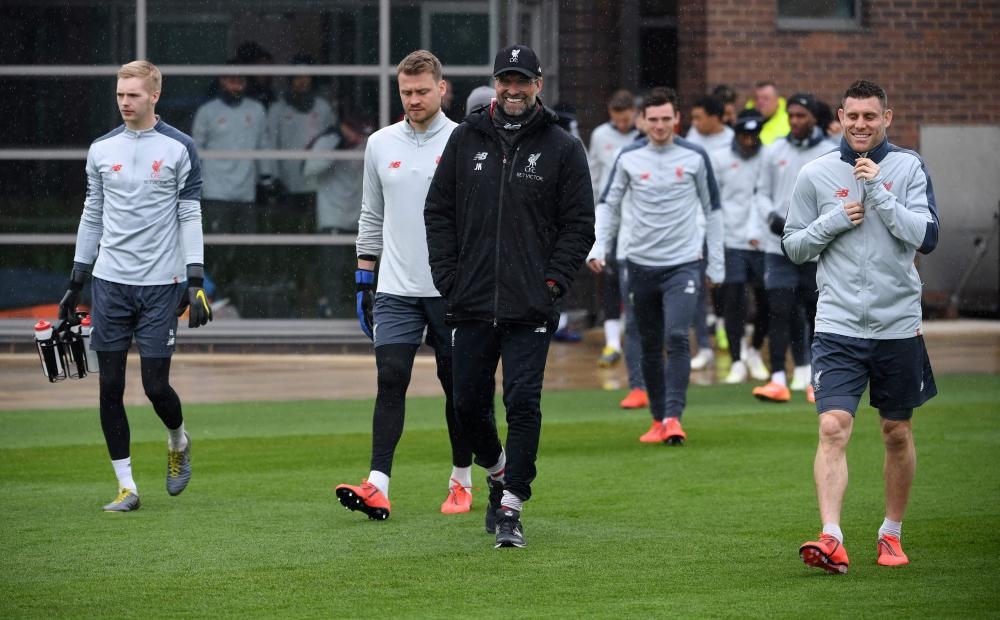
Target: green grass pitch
[616,528]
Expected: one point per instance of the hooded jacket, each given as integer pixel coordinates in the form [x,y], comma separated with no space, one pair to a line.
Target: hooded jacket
[498,228]
[868,284]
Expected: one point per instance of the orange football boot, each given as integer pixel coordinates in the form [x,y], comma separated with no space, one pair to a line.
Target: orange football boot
[774,392]
[636,399]
[459,499]
[890,551]
[673,434]
[366,498]
[655,433]
[826,553]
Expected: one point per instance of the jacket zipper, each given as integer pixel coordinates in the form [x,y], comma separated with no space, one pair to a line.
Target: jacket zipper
[864,268]
[496,260]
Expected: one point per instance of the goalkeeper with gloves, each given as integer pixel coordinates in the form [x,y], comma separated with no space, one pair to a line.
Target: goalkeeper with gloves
[143,212]
[399,163]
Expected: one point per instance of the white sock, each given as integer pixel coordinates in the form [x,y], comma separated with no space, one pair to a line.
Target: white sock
[512,501]
[563,320]
[779,378]
[891,527]
[613,334]
[462,475]
[380,480]
[123,470]
[833,529]
[802,373]
[496,472]
[176,440]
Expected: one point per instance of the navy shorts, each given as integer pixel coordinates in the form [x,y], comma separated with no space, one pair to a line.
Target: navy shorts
[401,320]
[781,273]
[147,313]
[899,371]
[744,266]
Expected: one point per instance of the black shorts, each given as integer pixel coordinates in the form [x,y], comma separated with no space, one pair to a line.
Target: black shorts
[899,371]
[147,313]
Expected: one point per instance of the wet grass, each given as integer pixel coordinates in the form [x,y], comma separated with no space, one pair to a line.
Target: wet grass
[616,528]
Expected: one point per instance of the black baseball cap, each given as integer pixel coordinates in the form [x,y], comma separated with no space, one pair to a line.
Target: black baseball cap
[519,58]
[806,100]
[749,121]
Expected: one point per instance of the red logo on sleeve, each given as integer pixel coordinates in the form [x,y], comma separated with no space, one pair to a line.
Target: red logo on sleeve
[395,164]
[887,185]
[437,160]
[679,172]
[841,193]
[645,176]
[116,168]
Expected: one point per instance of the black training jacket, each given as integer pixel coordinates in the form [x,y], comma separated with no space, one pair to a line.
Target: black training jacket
[498,230]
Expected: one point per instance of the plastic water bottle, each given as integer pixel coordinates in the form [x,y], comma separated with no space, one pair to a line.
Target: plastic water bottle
[49,352]
[85,329]
[72,342]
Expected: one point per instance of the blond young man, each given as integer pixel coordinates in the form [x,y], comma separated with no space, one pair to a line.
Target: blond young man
[143,210]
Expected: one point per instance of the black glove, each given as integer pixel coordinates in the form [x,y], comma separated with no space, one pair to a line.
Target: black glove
[67,305]
[199,310]
[554,291]
[776,223]
[365,278]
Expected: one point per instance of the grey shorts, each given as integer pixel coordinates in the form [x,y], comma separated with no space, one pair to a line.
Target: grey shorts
[899,372]
[147,313]
[743,266]
[401,320]
[781,273]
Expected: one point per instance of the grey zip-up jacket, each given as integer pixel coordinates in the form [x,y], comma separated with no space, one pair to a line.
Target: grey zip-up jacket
[143,207]
[223,127]
[782,161]
[737,177]
[868,284]
[399,167]
[669,186]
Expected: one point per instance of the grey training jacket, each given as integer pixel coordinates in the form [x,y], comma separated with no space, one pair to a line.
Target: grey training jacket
[868,284]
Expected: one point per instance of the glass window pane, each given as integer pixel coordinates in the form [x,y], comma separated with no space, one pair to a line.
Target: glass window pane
[45,32]
[817,9]
[326,31]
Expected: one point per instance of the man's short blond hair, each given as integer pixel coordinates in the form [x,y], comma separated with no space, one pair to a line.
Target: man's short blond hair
[144,70]
[420,61]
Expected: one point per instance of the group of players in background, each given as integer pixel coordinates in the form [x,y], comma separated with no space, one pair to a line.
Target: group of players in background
[472,234]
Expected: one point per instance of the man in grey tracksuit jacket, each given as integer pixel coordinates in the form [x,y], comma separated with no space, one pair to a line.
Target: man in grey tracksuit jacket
[670,181]
[791,289]
[865,211]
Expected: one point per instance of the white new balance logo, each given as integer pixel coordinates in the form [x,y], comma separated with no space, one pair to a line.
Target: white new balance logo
[480,156]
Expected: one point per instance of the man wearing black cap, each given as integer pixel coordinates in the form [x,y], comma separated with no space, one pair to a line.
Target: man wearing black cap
[737,169]
[510,218]
[791,288]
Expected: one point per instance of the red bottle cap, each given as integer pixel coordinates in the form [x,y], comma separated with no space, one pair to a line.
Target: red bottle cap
[85,321]
[42,325]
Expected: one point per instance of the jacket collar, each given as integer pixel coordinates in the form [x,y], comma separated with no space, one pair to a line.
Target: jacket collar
[482,119]
[877,154]
[437,124]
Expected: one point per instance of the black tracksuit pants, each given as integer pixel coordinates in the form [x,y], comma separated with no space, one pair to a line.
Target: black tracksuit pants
[478,346]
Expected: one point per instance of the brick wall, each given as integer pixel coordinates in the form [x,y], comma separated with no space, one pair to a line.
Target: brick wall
[938,60]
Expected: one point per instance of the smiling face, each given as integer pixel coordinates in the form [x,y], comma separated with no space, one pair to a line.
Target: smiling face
[865,123]
[517,93]
[659,122]
[421,96]
[136,103]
